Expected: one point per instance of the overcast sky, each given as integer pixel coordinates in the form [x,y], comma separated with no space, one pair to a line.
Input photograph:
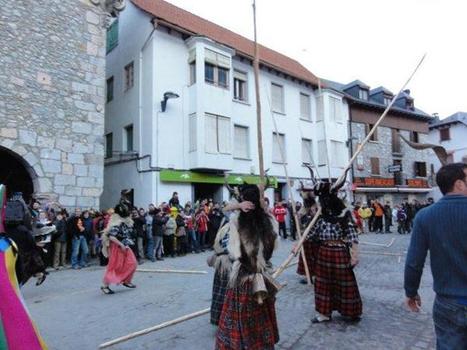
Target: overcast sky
[378,42]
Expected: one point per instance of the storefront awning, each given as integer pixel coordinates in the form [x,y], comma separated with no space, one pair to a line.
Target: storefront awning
[190,176]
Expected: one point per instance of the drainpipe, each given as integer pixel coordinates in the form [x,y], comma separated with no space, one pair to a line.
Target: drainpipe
[351,148]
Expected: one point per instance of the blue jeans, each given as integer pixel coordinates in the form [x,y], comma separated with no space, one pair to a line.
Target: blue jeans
[158,246]
[194,244]
[79,245]
[150,246]
[450,320]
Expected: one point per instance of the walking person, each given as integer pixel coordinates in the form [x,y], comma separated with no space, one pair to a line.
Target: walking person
[378,213]
[79,245]
[60,242]
[441,229]
[280,213]
[116,243]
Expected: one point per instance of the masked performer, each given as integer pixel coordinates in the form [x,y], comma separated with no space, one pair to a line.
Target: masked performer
[248,318]
[335,284]
[17,330]
[116,243]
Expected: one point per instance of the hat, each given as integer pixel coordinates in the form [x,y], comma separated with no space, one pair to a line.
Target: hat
[173,209]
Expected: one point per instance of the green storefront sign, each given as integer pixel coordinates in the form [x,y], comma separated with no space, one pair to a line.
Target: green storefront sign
[190,176]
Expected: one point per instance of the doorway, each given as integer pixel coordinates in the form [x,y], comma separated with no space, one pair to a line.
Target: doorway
[15,174]
[207,191]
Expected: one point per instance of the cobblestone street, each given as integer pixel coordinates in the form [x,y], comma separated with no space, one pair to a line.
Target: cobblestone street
[71,312]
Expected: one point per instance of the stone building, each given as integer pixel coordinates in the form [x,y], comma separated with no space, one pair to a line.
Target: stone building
[387,169]
[52,87]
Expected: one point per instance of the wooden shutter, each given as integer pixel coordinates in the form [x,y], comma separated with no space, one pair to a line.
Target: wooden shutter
[223,130]
[374,166]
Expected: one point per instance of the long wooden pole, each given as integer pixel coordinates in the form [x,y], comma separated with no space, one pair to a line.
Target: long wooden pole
[173,271]
[341,178]
[154,328]
[258,104]
[292,200]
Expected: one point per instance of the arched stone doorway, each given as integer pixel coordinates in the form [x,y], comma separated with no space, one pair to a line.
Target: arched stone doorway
[17,174]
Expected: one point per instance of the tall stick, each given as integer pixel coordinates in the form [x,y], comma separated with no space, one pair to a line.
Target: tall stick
[341,178]
[258,104]
[294,210]
[372,131]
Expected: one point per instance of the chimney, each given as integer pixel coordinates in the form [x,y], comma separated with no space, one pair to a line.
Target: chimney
[407,91]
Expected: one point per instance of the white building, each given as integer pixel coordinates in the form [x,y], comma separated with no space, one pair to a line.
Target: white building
[207,126]
[451,133]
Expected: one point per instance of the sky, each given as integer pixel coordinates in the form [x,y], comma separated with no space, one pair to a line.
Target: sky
[378,42]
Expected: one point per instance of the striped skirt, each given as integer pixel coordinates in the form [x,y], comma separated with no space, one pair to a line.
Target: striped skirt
[335,285]
[219,287]
[311,253]
[245,324]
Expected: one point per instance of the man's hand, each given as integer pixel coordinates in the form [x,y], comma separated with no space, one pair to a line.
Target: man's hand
[414,303]
[354,262]
[246,206]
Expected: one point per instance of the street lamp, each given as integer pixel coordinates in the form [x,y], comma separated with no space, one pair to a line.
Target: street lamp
[167,96]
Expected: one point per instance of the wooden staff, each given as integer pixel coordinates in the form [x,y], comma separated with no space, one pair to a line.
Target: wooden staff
[342,177]
[173,271]
[291,199]
[154,328]
[258,105]
[379,244]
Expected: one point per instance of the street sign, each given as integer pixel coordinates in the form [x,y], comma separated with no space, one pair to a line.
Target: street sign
[395,168]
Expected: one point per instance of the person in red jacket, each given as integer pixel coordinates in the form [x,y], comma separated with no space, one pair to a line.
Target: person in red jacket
[280,212]
[202,227]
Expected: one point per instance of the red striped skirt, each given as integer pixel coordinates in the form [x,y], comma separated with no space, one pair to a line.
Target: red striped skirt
[311,254]
[335,285]
[244,324]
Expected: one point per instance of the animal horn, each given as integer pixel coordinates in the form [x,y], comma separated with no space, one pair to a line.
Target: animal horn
[229,188]
[341,183]
[440,151]
[312,174]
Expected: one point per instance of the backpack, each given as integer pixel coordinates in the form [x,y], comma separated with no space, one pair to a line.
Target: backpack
[14,212]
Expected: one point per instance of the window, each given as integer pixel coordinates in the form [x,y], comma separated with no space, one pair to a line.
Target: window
[322,153]
[337,154]
[319,108]
[277,97]
[192,72]
[241,144]
[363,94]
[444,134]
[112,36]
[374,136]
[409,105]
[240,86]
[387,100]
[375,166]
[216,68]
[217,134]
[414,136]
[128,138]
[278,139]
[420,169]
[335,109]
[108,145]
[307,151]
[129,76]
[396,141]
[398,180]
[110,89]
[305,110]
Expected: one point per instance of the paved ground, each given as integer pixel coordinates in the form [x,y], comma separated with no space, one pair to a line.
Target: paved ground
[71,312]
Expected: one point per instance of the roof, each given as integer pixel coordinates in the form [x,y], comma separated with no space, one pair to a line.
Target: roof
[459,117]
[417,113]
[200,26]
[381,89]
[356,82]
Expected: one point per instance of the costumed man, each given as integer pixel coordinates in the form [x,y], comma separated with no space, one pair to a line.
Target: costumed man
[18,222]
[335,284]
[116,245]
[17,330]
[248,317]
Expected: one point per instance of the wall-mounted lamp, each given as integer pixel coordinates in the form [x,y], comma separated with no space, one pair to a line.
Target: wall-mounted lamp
[167,95]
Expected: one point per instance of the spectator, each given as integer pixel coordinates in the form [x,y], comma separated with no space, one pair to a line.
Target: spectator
[88,231]
[169,233]
[158,228]
[401,220]
[202,227]
[149,217]
[60,242]
[387,217]
[193,240]
[174,201]
[215,221]
[180,234]
[378,213]
[365,213]
[138,225]
[357,218]
[441,229]
[279,213]
[79,246]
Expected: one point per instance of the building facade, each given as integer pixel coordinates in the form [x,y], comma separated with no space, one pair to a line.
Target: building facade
[387,169]
[181,111]
[52,86]
[451,133]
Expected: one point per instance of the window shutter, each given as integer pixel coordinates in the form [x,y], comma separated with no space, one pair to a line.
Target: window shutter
[337,153]
[210,133]
[223,127]
[319,108]
[307,151]
[241,144]
[335,110]
[305,106]
[240,75]
[193,129]
[322,152]
[216,59]
[112,36]
[374,166]
[276,151]
[276,96]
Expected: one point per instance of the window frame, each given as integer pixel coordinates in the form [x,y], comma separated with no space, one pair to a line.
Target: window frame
[109,92]
[420,169]
[372,166]
[363,94]
[374,137]
[441,131]
[241,83]
[216,75]
[248,151]
[282,102]
[308,103]
[109,145]
[126,134]
[129,76]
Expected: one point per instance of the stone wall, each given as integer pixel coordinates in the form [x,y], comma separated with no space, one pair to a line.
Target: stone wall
[52,77]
